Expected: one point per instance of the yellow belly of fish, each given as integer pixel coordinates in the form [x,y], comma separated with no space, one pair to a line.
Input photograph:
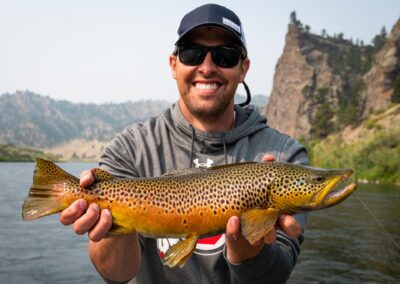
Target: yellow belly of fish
[153,221]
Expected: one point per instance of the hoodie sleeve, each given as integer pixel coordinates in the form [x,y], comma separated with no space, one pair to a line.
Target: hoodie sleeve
[275,262]
[120,158]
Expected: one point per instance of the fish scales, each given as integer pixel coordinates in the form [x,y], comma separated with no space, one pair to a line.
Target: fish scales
[194,202]
[186,203]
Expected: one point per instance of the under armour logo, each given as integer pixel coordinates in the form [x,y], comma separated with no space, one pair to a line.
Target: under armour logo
[202,165]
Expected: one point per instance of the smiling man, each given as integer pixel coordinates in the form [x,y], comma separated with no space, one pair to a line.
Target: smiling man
[205,128]
[207,89]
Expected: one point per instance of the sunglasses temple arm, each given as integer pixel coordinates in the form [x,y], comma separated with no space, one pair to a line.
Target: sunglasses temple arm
[247,102]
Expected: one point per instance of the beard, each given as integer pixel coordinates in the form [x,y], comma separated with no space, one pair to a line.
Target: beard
[208,110]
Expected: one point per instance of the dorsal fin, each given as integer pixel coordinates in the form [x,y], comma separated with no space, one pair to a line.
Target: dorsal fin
[101,175]
[231,165]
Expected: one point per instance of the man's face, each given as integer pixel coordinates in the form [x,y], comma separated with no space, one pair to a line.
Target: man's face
[207,90]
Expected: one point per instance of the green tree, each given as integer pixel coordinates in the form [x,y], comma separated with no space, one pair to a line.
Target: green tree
[294,21]
[321,124]
[396,90]
[380,39]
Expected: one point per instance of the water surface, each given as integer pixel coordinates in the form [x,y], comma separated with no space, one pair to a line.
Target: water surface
[343,244]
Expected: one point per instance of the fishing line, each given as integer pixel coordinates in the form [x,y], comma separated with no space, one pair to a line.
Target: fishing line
[377,221]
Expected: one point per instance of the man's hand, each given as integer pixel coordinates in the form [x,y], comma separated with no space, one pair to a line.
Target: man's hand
[87,219]
[240,250]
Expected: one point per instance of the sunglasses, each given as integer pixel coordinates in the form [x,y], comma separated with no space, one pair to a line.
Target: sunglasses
[226,56]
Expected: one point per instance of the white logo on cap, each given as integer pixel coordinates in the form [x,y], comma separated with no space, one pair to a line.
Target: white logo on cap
[231,24]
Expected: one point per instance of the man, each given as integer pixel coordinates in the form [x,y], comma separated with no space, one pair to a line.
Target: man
[204,128]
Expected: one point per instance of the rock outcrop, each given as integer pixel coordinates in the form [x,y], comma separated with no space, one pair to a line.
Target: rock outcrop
[322,84]
[380,79]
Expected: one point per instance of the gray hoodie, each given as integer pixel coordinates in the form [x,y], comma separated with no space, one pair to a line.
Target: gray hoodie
[169,142]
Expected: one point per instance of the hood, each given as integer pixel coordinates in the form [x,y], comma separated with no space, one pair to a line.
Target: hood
[248,120]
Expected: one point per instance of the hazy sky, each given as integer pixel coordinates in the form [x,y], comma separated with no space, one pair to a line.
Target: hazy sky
[114,51]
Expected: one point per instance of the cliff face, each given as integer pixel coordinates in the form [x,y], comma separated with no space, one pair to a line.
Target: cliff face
[322,84]
[289,110]
[286,109]
[381,78]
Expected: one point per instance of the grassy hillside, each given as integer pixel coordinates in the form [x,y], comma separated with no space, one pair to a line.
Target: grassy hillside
[372,150]
[10,153]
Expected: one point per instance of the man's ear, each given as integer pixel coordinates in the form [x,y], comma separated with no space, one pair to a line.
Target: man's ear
[245,65]
[172,65]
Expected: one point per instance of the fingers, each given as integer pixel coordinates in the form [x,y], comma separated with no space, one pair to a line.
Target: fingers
[102,227]
[268,158]
[73,212]
[270,237]
[238,249]
[88,220]
[233,229]
[289,226]
[86,178]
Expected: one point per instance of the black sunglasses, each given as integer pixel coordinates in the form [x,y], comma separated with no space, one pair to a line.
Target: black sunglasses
[226,56]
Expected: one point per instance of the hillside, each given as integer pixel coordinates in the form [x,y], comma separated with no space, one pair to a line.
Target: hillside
[323,84]
[31,120]
[72,131]
[371,149]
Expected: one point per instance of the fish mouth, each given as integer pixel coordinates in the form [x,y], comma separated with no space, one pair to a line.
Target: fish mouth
[337,196]
[330,196]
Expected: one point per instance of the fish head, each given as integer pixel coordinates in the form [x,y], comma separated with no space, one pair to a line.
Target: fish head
[302,188]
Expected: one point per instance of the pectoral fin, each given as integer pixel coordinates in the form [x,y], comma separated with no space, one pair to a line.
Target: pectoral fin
[180,252]
[256,223]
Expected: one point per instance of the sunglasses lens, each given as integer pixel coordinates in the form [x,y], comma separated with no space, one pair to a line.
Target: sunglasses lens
[226,56]
[223,55]
[192,55]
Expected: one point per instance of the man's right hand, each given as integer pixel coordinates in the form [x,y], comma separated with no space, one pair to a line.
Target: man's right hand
[87,218]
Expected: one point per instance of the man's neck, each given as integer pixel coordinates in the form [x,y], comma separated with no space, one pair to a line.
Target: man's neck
[222,123]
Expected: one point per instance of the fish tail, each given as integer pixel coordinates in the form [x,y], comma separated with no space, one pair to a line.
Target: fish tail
[46,191]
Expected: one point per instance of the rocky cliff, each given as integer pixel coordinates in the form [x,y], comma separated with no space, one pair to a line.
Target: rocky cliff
[381,79]
[323,84]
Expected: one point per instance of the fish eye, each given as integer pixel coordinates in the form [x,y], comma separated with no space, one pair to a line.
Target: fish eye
[316,179]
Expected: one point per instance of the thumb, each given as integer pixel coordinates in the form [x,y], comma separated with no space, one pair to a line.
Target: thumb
[233,230]
[268,158]
[86,178]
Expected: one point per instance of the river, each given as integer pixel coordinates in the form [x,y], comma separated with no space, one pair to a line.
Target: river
[343,243]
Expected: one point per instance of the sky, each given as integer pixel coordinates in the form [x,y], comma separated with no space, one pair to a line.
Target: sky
[98,51]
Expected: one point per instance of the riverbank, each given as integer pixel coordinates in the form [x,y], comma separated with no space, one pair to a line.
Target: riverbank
[374,159]
[11,153]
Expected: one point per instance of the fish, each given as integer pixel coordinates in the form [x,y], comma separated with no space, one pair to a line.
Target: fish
[192,203]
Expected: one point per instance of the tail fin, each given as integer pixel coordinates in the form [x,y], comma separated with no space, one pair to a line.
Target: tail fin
[48,184]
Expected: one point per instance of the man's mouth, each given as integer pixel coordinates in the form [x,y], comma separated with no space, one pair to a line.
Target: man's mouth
[206,86]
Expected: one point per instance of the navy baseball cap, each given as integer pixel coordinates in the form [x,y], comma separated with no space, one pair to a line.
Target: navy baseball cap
[212,15]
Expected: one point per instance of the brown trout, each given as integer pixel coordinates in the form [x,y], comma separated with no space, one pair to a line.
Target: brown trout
[192,203]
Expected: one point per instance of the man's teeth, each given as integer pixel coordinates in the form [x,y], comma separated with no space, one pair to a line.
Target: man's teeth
[203,86]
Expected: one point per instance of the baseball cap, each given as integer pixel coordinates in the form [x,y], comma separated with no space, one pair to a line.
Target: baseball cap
[212,15]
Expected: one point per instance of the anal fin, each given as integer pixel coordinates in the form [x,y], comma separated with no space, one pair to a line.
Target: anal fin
[180,252]
[256,223]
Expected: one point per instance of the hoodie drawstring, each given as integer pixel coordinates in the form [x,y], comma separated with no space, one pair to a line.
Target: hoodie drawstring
[192,148]
[225,154]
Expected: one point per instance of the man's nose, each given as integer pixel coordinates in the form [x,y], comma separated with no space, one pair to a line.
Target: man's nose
[208,66]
